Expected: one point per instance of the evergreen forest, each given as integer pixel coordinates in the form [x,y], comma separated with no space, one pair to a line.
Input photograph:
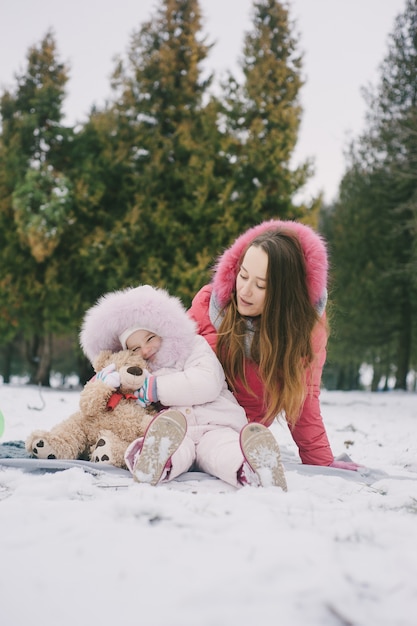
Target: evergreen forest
[153,186]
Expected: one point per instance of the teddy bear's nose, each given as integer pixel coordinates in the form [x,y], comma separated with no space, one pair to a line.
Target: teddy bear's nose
[135,370]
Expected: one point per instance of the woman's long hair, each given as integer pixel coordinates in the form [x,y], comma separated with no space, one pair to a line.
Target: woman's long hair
[281,344]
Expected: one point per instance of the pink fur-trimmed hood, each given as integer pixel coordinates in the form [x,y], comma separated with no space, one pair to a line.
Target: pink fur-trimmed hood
[143,307]
[227,266]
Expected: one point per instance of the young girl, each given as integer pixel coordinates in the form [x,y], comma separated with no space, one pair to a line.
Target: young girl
[264,315]
[204,427]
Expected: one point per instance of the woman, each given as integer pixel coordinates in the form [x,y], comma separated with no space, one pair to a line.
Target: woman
[264,315]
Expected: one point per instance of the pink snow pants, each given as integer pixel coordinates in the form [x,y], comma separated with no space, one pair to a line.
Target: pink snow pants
[216,452]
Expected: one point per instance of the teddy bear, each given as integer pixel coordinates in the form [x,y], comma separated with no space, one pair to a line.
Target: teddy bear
[109,417]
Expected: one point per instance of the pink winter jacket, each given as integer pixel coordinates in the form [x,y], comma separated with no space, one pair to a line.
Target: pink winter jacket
[308,433]
[199,390]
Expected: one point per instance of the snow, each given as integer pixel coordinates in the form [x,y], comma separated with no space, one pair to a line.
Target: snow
[338,549]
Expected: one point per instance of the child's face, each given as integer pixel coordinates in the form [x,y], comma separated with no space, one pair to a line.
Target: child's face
[144,342]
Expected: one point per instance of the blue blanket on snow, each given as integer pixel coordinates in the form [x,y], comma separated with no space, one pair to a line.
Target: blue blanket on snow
[13,454]
[13,450]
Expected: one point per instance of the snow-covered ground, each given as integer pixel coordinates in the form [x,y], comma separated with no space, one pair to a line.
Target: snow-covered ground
[333,551]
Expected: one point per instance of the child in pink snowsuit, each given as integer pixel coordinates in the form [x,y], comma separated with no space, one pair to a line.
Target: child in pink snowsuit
[204,427]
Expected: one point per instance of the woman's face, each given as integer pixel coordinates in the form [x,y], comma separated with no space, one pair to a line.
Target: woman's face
[144,342]
[251,282]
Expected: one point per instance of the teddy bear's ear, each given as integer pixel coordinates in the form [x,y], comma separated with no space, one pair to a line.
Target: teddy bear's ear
[102,360]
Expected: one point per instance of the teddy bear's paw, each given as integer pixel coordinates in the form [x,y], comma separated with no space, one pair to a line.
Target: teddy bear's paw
[101,452]
[43,450]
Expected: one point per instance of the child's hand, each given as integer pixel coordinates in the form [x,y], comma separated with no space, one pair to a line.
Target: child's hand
[109,376]
[147,394]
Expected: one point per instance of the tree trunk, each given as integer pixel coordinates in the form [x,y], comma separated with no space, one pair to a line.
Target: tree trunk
[45,360]
[376,375]
[404,345]
[39,354]
[7,363]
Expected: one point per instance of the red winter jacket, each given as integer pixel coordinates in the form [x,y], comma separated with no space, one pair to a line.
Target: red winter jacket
[308,433]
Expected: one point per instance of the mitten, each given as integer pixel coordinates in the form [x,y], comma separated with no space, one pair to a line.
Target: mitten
[148,394]
[109,376]
[345,465]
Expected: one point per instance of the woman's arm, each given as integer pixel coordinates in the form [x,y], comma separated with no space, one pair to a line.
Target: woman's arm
[199,312]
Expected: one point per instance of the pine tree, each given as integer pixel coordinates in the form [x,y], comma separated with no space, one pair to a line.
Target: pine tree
[35,208]
[263,119]
[393,142]
[363,318]
[166,130]
[103,187]
[380,249]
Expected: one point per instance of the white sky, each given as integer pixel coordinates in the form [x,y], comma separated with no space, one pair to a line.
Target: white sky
[344,42]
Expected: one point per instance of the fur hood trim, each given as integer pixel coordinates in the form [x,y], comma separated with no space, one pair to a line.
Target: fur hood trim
[227,265]
[144,307]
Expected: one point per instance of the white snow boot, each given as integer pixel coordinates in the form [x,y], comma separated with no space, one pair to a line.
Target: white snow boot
[262,454]
[162,438]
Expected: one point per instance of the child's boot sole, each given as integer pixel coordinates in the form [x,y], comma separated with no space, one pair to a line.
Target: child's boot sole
[261,451]
[162,438]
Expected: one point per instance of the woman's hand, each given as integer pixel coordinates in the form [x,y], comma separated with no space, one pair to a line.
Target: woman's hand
[345,465]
